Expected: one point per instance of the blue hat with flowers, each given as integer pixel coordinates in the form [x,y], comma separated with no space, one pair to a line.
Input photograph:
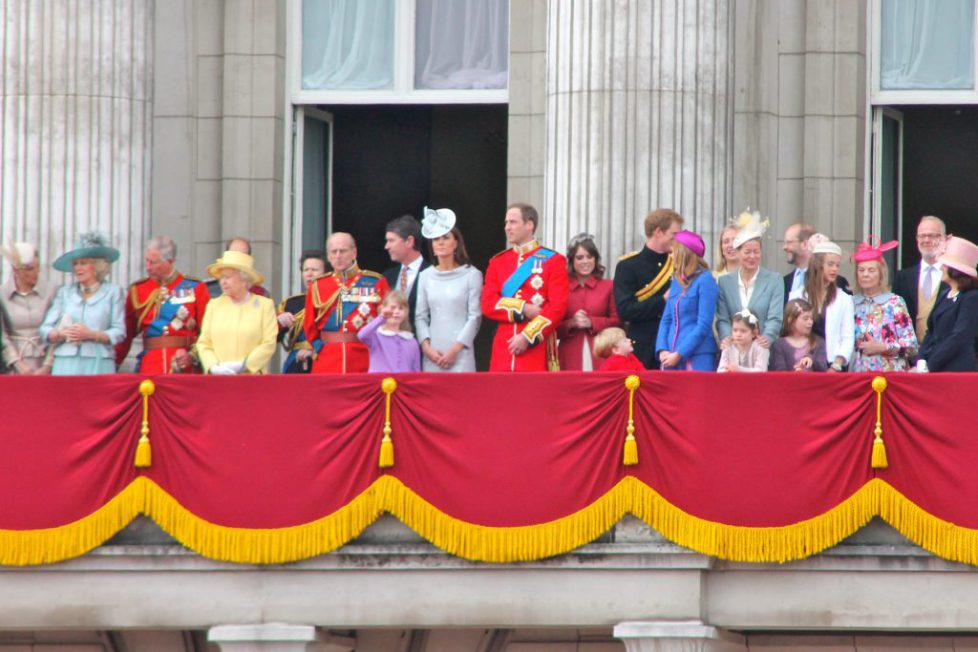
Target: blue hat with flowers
[88,245]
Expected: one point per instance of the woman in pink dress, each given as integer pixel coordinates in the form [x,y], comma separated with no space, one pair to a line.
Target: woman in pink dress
[590,306]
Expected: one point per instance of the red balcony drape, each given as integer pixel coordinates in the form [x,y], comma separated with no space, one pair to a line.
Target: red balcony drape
[493,467]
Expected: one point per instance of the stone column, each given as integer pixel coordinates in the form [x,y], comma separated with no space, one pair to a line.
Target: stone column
[638,117]
[76,123]
[275,637]
[652,636]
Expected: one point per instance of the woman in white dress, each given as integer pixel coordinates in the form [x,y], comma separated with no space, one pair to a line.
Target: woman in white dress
[448,313]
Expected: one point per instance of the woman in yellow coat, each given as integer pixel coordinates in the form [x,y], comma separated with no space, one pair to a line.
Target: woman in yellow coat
[239,330]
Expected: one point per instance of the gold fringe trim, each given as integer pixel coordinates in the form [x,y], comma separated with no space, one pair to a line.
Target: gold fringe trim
[757,544]
[491,544]
[49,545]
[263,546]
[940,537]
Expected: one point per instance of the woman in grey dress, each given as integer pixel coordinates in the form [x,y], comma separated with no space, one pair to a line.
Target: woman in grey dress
[448,312]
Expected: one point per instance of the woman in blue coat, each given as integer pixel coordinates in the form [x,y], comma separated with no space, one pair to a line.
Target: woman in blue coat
[86,319]
[685,339]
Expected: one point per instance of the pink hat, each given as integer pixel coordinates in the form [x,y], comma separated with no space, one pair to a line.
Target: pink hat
[691,241]
[867,251]
[960,254]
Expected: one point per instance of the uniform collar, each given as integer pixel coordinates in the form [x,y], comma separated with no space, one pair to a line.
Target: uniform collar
[524,249]
[651,253]
[348,273]
[169,279]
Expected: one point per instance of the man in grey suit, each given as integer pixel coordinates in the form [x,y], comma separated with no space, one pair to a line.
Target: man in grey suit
[921,284]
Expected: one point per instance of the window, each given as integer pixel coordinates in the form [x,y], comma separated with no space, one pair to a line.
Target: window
[924,52]
[390,51]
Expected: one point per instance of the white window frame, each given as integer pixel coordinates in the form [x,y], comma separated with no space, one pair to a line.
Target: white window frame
[403,91]
[879,96]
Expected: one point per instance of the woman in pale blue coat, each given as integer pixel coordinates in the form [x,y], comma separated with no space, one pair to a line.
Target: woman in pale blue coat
[752,287]
[685,339]
[86,319]
[448,312]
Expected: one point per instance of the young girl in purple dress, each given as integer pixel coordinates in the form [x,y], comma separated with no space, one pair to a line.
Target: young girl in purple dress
[798,348]
[389,339]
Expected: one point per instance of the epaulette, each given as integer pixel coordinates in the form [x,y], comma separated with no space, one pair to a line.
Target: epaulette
[501,253]
[191,278]
[545,251]
[627,256]
[281,304]
[142,280]
[367,272]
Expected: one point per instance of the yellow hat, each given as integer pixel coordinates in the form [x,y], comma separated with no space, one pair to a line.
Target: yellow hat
[239,261]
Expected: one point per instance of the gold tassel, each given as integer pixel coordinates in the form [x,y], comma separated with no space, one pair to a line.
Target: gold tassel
[388,386]
[144,454]
[631,446]
[879,448]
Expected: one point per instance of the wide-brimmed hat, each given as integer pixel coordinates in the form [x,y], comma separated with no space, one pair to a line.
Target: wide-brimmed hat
[750,226]
[691,241]
[239,261]
[871,249]
[19,253]
[437,222]
[88,245]
[960,254]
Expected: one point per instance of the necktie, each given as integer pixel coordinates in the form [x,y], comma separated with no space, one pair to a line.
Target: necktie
[928,282]
[402,282]
[799,280]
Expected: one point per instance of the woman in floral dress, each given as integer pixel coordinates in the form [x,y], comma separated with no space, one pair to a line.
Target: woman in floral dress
[885,339]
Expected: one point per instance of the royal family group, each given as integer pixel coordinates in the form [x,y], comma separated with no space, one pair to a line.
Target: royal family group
[666,308]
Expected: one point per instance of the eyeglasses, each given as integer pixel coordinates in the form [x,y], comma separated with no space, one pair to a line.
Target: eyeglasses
[929,236]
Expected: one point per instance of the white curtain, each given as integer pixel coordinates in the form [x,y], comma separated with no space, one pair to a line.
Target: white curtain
[347,44]
[462,44]
[927,44]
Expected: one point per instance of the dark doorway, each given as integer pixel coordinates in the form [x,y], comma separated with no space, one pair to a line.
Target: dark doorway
[940,171]
[392,160]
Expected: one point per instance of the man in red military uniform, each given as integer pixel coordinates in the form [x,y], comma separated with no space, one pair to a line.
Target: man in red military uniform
[167,308]
[526,292]
[338,305]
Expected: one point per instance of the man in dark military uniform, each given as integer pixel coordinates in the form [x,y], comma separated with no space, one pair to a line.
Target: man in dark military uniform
[291,311]
[642,280]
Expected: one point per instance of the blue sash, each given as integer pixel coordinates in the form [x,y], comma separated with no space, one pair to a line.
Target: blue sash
[168,310]
[522,273]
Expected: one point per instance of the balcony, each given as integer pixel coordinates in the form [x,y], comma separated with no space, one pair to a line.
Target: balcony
[520,482]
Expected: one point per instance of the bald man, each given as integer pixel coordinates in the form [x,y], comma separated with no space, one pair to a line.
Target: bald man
[338,305]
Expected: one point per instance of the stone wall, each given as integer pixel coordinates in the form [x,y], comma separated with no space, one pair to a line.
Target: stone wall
[219,129]
[799,116]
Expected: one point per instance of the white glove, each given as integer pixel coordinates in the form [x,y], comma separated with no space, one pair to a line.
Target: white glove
[235,367]
[286,319]
[221,369]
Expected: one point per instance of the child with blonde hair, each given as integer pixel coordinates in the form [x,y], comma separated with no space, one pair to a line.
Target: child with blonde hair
[389,338]
[613,345]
